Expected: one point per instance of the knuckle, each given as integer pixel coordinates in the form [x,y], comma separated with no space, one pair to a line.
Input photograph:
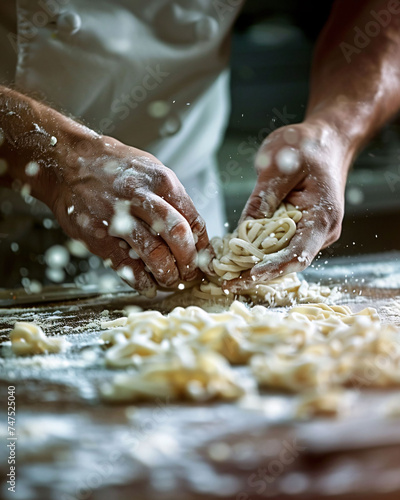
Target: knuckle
[337,233]
[307,259]
[156,252]
[120,258]
[162,266]
[198,226]
[297,263]
[120,262]
[126,184]
[300,258]
[331,218]
[165,177]
[336,219]
[334,235]
[132,272]
[85,147]
[179,229]
[168,280]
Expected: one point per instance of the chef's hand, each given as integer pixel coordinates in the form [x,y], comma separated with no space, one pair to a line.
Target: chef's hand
[124,204]
[301,164]
[130,209]
[352,94]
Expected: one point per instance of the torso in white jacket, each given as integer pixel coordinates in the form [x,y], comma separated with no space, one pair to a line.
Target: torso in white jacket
[152,73]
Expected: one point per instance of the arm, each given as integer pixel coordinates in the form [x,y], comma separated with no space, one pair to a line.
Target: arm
[356,75]
[120,201]
[353,92]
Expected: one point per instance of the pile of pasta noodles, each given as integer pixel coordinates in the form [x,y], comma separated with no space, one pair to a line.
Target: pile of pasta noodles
[251,243]
[189,353]
[253,240]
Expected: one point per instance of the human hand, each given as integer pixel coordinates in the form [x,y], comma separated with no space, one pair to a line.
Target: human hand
[131,210]
[306,165]
[120,201]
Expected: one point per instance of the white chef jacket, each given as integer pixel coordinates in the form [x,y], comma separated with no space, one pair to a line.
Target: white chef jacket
[151,73]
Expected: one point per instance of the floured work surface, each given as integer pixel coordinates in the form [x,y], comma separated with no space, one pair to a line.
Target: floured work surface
[71,445]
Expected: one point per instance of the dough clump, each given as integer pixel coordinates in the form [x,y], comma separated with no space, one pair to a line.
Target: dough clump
[28,339]
[252,242]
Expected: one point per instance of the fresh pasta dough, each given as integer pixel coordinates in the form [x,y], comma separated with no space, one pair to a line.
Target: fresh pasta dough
[315,350]
[323,404]
[249,244]
[253,240]
[283,291]
[350,351]
[28,339]
[309,347]
[180,374]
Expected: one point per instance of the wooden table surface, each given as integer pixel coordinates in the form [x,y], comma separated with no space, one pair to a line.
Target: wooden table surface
[70,445]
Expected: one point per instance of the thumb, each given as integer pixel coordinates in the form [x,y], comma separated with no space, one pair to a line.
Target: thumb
[275,181]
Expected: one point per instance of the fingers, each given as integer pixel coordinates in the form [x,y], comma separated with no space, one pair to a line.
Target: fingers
[142,244]
[322,205]
[205,252]
[175,195]
[158,198]
[132,271]
[310,237]
[264,199]
[156,255]
[280,166]
[301,251]
[174,230]
[271,189]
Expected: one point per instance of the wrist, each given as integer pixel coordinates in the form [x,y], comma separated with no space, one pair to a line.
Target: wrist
[26,146]
[345,123]
[40,146]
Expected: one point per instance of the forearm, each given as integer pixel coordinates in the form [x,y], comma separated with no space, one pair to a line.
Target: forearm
[108,195]
[356,90]
[33,139]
